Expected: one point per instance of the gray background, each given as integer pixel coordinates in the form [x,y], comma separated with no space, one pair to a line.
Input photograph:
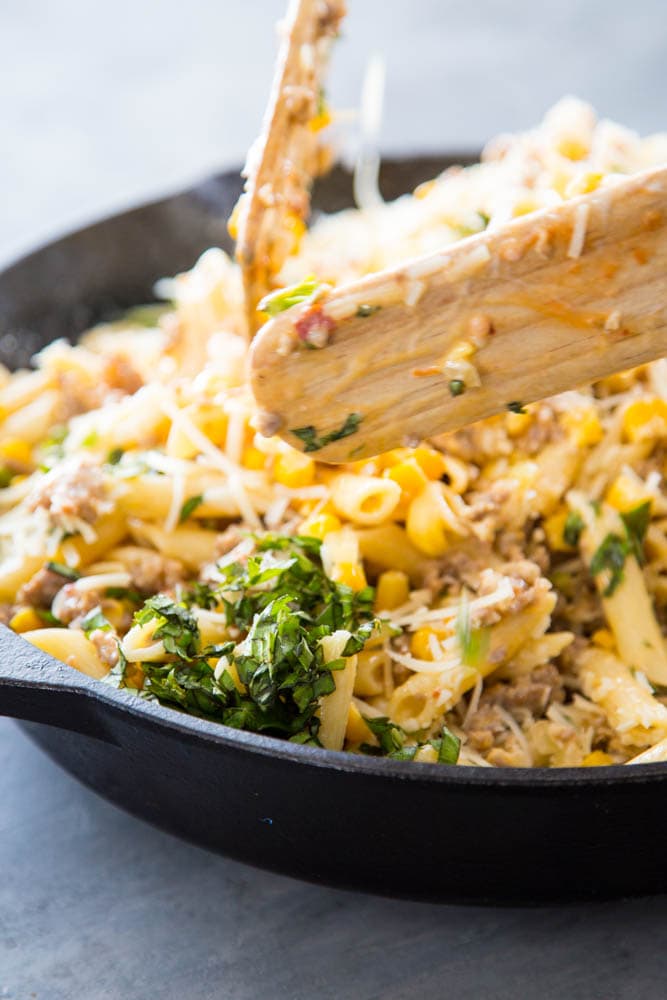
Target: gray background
[102,105]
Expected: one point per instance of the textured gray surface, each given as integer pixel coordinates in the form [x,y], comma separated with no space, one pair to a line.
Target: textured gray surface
[104,104]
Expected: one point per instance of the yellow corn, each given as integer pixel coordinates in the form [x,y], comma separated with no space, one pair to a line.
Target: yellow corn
[16,450]
[115,612]
[134,676]
[357,731]
[253,458]
[350,575]
[604,639]
[393,589]
[518,423]
[319,525]
[424,523]
[294,469]
[25,620]
[627,492]
[583,184]
[572,148]
[597,758]
[554,526]
[645,418]
[409,475]
[432,462]
[420,642]
[320,121]
[583,426]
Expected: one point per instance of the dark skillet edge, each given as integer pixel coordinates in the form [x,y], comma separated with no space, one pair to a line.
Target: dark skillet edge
[38,673]
[88,700]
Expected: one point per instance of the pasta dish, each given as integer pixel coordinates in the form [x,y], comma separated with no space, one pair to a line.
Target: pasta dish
[496,596]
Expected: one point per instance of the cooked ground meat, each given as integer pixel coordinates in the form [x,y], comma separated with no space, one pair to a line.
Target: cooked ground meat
[76,490]
[150,571]
[106,645]
[534,692]
[40,589]
[74,604]
[6,613]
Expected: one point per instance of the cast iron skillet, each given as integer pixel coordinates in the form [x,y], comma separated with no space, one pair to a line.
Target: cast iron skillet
[420,831]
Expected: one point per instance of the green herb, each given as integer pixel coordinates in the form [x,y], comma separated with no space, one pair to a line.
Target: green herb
[95,621]
[146,315]
[457,387]
[90,439]
[473,642]
[124,594]
[613,550]
[516,407]
[314,442]
[189,507]
[636,523]
[49,618]
[114,456]
[367,310]
[280,604]
[285,298]
[486,219]
[610,556]
[448,747]
[61,570]
[321,108]
[177,627]
[574,525]
[6,476]
[390,736]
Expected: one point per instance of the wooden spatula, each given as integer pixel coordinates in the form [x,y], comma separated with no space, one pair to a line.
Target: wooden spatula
[287,154]
[548,302]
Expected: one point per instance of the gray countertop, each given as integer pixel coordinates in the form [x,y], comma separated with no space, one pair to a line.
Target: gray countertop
[102,105]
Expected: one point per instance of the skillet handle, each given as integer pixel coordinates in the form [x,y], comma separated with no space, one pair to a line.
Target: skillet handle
[38,688]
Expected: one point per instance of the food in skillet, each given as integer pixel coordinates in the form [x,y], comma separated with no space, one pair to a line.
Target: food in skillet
[496,597]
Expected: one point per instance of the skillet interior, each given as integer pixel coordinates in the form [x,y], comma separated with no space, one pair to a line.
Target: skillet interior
[414,830]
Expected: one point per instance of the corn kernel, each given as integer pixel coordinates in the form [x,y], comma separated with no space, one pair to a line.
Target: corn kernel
[253,458]
[583,426]
[26,620]
[350,575]
[604,639]
[432,462]
[583,184]
[409,475]
[645,418]
[319,525]
[16,450]
[517,423]
[554,526]
[320,121]
[597,758]
[357,731]
[572,148]
[627,492]
[425,523]
[393,589]
[420,642]
[294,469]
[134,676]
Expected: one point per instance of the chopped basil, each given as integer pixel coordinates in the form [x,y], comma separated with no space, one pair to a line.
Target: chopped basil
[457,387]
[516,407]
[486,219]
[90,439]
[574,525]
[610,556]
[392,740]
[390,736]
[49,618]
[114,456]
[636,523]
[6,476]
[285,298]
[448,747]
[282,603]
[189,507]
[314,442]
[61,570]
[95,621]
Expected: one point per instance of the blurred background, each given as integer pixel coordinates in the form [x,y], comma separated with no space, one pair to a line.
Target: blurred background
[103,104]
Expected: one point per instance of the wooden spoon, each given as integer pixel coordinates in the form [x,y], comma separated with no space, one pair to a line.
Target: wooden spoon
[548,302]
[270,216]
